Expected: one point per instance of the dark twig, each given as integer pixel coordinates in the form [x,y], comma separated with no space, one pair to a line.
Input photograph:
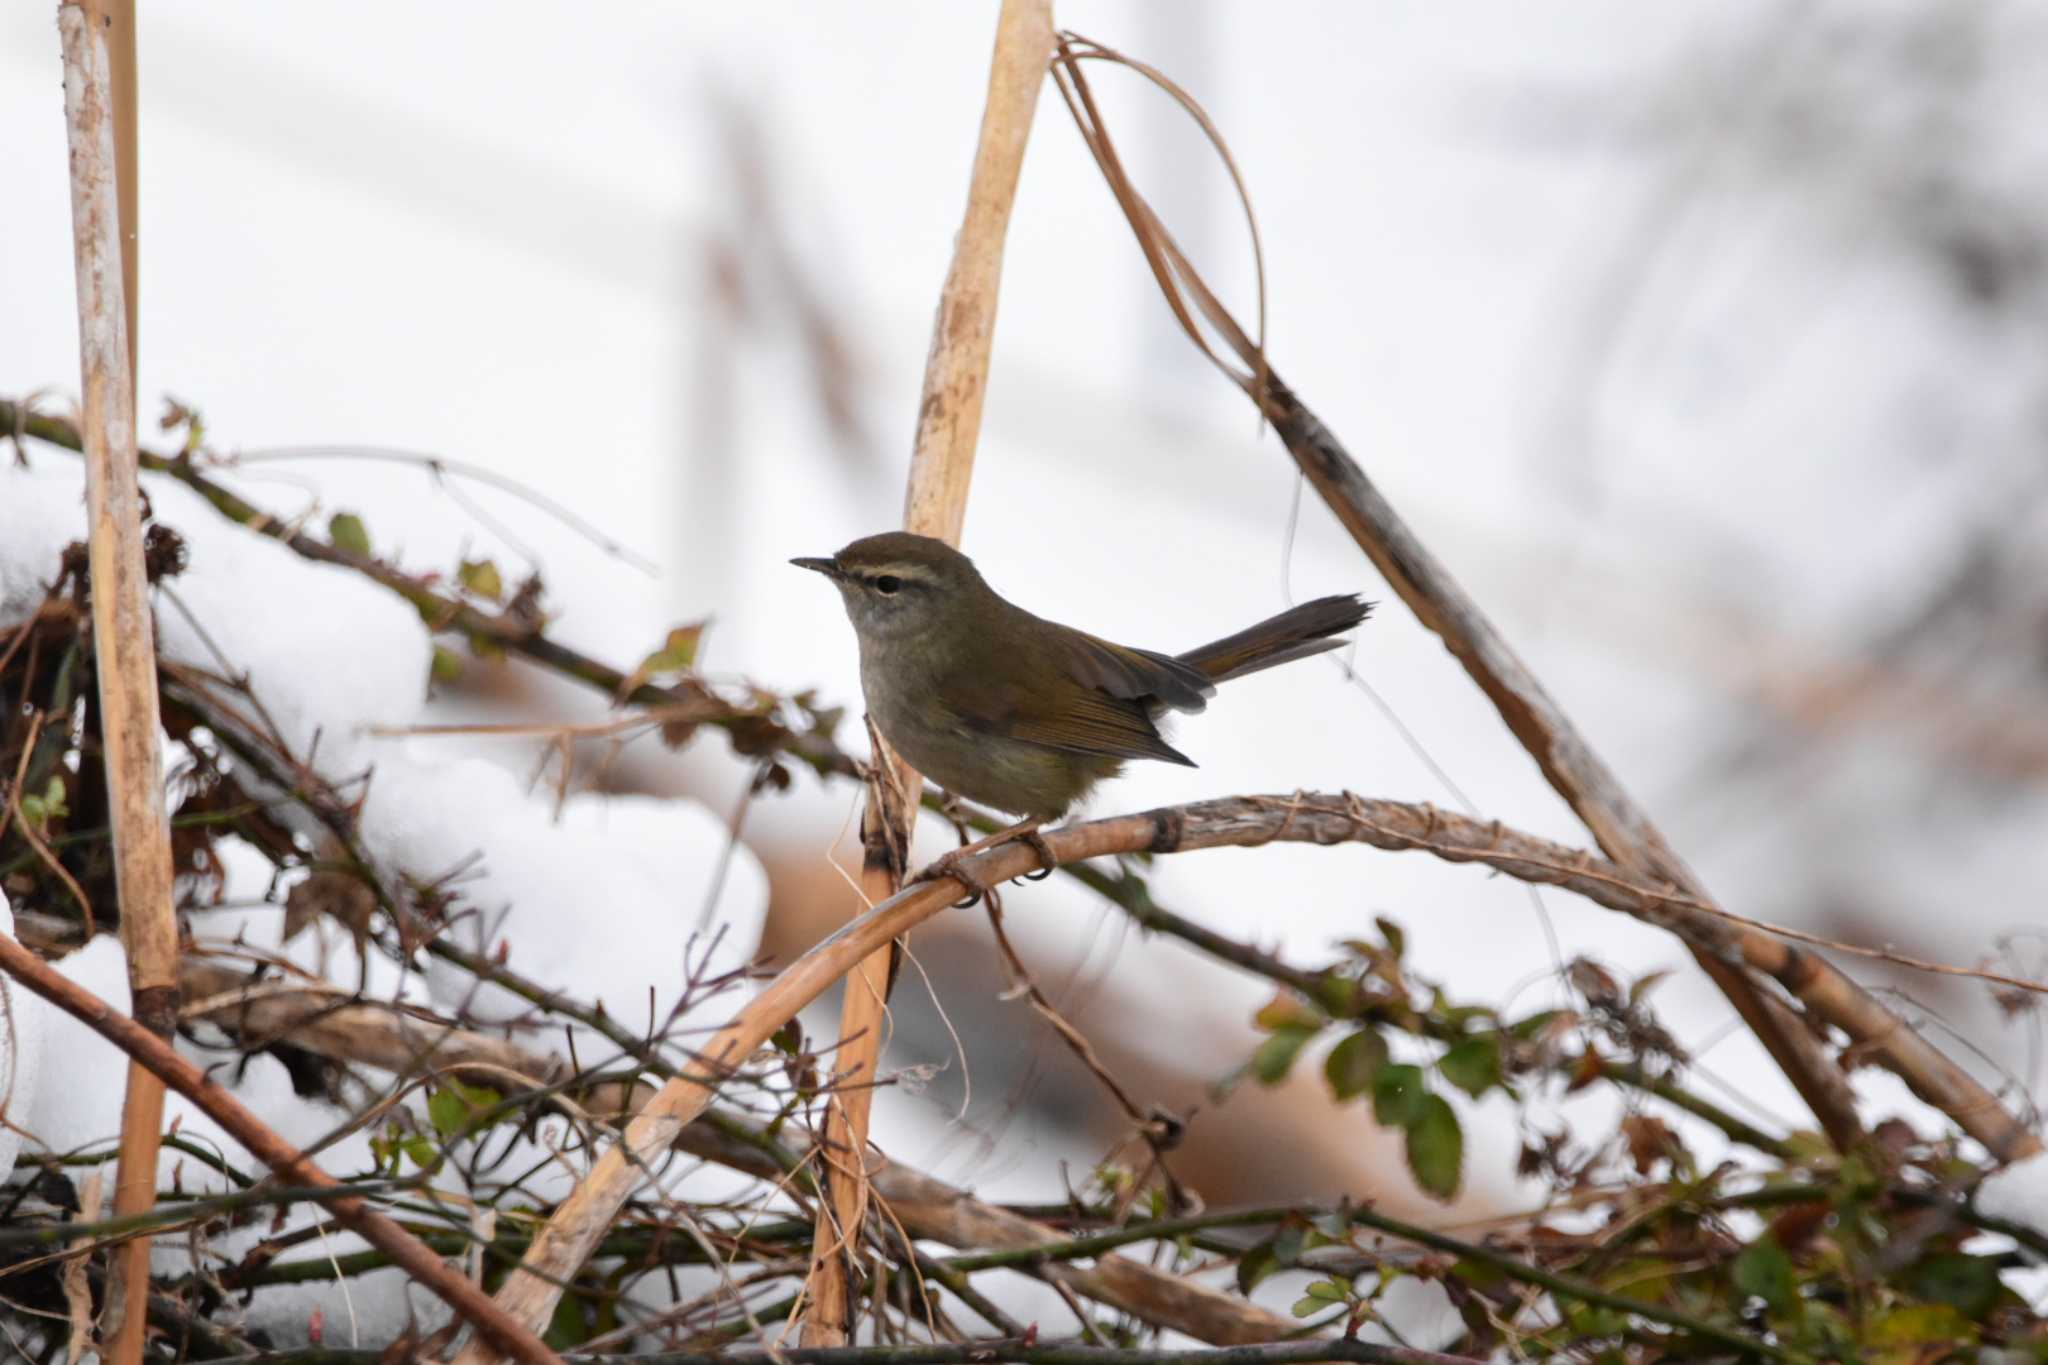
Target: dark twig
[973,1353]
[459,1293]
[1619,826]
[753,725]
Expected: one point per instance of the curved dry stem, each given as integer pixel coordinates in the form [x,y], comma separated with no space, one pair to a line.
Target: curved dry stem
[1569,763]
[147,1050]
[1245,821]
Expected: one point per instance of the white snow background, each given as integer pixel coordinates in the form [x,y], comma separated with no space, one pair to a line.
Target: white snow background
[1787,426]
[602,898]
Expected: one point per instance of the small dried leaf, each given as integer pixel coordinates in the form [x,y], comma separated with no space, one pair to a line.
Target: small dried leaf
[1287,1010]
[339,896]
[1796,1227]
[1594,982]
[1650,1140]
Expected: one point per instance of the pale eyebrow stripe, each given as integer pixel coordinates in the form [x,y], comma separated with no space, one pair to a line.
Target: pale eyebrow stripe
[909,573]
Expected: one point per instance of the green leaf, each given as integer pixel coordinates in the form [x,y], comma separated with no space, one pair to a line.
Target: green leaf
[420,1150]
[1254,1266]
[1436,1148]
[1922,1323]
[453,1105]
[1473,1064]
[1342,997]
[49,805]
[570,1324]
[1969,1284]
[447,1112]
[1331,1227]
[678,654]
[789,1039]
[1354,1062]
[446,666]
[1593,1322]
[347,531]
[1764,1271]
[480,577]
[1319,1295]
[678,651]
[1271,1062]
[1397,940]
[1397,1095]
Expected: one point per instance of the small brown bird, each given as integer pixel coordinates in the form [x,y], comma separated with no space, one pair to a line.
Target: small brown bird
[1016,712]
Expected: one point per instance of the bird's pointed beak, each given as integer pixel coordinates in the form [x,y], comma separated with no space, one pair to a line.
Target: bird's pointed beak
[827,567]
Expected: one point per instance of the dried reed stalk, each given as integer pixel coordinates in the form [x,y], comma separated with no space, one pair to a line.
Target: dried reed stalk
[124,644]
[931,1209]
[580,1221]
[146,1049]
[1620,827]
[927,1208]
[934,504]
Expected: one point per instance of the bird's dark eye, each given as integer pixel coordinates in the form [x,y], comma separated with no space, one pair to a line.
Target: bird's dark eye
[887,584]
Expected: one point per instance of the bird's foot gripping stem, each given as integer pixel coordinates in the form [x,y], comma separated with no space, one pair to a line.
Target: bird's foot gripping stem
[953,864]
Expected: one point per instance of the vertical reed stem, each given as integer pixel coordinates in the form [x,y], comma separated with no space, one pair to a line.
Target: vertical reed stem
[99,108]
[934,504]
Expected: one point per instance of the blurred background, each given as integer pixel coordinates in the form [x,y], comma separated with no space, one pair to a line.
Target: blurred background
[1705,342]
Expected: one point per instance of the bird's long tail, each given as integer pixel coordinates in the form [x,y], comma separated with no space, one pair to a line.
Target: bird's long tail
[1294,634]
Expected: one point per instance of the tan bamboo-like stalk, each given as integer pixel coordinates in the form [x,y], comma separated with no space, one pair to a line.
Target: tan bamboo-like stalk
[119,29]
[934,504]
[581,1220]
[928,1208]
[863,1023]
[146,1049]
[124,643]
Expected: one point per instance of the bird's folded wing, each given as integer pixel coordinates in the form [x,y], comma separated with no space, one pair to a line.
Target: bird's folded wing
[1101,703]
[1137,675]
[1094,723]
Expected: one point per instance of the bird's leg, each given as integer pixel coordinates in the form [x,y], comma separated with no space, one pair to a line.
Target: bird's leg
[1048,861]
[957,813]
[949,864]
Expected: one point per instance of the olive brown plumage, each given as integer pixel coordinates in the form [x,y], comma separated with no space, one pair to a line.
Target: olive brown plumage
[1016,712]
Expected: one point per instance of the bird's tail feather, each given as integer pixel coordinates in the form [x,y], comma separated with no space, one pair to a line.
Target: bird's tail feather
[1294,634]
